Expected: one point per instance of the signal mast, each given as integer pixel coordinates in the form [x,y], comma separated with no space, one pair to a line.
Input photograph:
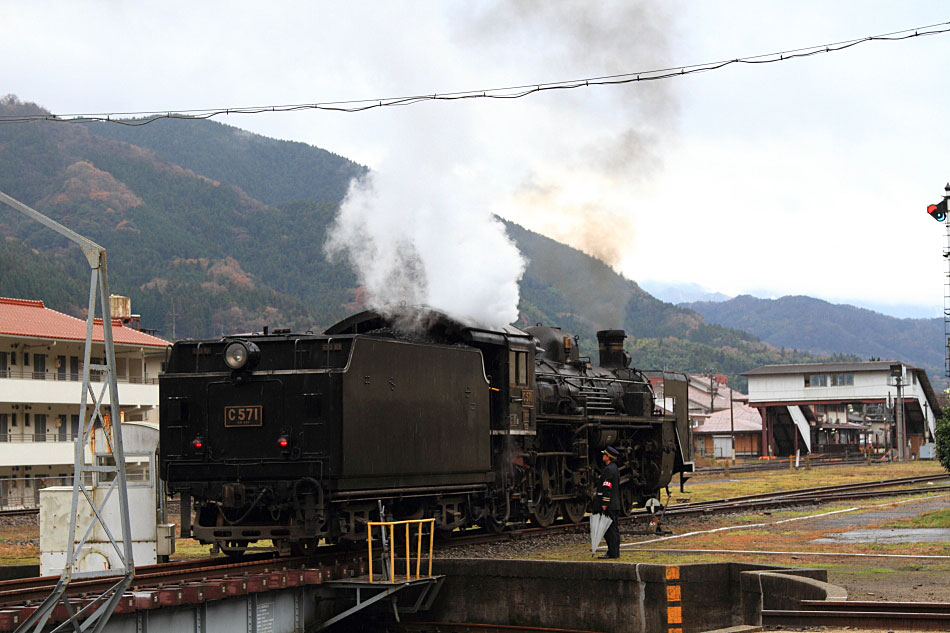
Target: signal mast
[939,213]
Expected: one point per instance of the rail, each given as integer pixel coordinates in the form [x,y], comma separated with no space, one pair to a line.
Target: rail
[392,545]
[913,616]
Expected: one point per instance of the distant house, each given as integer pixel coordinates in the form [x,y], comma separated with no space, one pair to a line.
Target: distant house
[714,436]
[841,407]
[41,355]
[707,394]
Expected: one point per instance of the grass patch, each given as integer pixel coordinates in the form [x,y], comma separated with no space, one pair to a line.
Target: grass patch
[19,554]
[709,487]
[935,519]
[189,548]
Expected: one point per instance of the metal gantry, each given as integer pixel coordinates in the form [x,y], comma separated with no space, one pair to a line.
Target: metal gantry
[87,476]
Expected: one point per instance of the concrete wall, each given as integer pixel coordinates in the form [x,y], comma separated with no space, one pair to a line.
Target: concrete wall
[637,598]
[551,594]
[770,590]
[12,572]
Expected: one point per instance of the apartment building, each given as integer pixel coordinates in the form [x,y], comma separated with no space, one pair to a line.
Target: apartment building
[41,354]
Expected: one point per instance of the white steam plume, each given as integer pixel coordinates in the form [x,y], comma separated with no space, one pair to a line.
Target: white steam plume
[416,240]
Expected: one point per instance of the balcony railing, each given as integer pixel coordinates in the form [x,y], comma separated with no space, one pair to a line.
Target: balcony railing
[95,376]
[15,438]
[24,492]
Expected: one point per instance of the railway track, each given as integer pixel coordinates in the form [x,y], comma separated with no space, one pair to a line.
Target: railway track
[763,501]
[173,506]
[816,494]
[19,512]
[782,464]
[913,616]
[469,627]
[195,581]
[259,571]
[224,576]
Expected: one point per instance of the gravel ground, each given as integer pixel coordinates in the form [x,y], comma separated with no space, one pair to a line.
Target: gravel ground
[21,520]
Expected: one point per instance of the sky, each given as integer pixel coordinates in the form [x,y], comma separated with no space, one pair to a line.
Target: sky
[809,176]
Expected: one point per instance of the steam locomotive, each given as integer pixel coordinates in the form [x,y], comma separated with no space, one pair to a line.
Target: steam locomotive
[301,437]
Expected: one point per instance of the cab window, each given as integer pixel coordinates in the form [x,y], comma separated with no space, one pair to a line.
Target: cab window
[518,366]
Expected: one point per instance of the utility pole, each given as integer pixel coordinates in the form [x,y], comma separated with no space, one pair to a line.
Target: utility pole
[897,371]
[732,424]
[887,423]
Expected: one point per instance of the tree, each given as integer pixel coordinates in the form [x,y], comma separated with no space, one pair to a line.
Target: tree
[943,439]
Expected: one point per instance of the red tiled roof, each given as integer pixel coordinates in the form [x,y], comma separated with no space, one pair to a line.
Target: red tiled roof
[24,317]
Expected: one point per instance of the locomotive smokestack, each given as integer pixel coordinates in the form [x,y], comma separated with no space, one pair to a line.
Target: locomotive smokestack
[612,355]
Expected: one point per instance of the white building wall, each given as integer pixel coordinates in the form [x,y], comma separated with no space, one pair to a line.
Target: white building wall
[791,387]
[53,392]
[868,385]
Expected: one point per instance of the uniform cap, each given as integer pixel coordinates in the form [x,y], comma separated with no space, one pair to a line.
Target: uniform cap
[611,452]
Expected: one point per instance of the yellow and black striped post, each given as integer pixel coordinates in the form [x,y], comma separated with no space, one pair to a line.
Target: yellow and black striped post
[674,600]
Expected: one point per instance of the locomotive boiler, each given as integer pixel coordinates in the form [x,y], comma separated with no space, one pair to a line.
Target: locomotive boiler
[296,438]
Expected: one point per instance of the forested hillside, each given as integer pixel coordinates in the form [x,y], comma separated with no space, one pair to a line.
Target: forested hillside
[827,328]
[214,230]
[272,171]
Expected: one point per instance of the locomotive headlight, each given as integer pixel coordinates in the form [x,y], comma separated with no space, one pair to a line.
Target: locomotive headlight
[241,355]
[236,355]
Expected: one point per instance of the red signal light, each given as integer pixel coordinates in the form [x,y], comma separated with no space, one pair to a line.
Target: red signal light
[197,444]
[938,211]
[283,442]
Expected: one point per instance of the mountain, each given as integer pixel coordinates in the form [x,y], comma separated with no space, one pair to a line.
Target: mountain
[272,171]
[580,293]
[681,293]
[196,255]
[214,230]
[826,328]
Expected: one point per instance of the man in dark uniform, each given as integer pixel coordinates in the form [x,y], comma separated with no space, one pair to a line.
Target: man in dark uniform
[610,500]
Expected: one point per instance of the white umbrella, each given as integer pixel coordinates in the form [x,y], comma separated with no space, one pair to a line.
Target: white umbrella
[598,527]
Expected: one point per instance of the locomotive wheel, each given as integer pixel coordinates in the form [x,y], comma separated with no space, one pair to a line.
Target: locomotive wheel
[628,499]
[544,513]
[574,510]
[494,526]
[233,549]
[545,510]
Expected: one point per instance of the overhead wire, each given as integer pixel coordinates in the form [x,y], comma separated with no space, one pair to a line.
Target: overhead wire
[144,117]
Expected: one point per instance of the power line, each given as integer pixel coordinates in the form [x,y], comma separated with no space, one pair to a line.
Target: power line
[510,92]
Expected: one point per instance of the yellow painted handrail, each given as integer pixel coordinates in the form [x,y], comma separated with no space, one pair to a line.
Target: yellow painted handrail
[392,545]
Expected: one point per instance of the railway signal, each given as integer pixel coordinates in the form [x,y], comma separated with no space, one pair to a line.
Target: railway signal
[938,211]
